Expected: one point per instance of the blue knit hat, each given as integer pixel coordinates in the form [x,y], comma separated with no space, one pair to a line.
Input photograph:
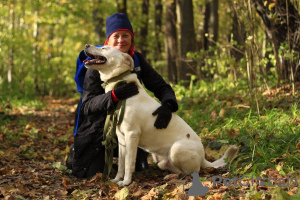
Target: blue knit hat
[117,21]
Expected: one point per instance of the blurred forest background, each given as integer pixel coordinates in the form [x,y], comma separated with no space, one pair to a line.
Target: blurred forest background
[233,64]
[185,40]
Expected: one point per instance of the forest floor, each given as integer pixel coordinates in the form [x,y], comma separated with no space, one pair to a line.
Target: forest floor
[34,143]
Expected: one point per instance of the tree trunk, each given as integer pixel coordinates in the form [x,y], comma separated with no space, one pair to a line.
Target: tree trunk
[171,41]
[158,24]
[211,24]
[144,28]
[99,21]
[214,21]
[35,63]
[122,6]
[206,26]
[238,35]
[187,38]
[285,28]
[11,50]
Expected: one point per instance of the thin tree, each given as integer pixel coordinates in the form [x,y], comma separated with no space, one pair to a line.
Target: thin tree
[144,28]
[187,38]
[122,6]
[171,41]
[211,28]
[206,26]
[238,35]
[158,26]
[284,28]
[12,48]
[99,20]
[35,50]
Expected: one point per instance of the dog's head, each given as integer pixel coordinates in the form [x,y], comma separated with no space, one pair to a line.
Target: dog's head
[109,61]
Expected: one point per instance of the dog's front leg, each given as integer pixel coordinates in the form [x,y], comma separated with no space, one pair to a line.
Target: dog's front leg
[121,161]
[131,145]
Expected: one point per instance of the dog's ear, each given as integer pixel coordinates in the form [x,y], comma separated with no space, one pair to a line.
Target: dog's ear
[128,60]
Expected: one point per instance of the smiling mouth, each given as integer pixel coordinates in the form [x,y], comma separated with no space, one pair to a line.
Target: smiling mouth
[95,59]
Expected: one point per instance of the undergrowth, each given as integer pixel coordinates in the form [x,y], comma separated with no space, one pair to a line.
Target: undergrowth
[222,112]
[225,112]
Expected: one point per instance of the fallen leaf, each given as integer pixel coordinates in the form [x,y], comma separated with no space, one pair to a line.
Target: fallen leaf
[114,187]
[170,177]
[214,115]
[298,145]
[212,153]
[195,198]
[122,194]
[30,125]
[216,196]
[223,149]
[233,132]
[151,194]
[222,112]
[65,182]
[209,170]
[98,176]
[59,166]
[48,157]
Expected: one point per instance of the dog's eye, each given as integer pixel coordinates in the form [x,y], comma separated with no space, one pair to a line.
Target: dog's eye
[103,48]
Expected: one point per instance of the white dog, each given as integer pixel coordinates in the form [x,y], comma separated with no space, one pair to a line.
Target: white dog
[178,148]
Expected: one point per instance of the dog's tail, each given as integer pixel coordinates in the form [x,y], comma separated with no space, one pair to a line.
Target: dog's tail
[230,154]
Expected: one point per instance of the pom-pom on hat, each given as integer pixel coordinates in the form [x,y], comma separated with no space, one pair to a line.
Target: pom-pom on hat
[117,21]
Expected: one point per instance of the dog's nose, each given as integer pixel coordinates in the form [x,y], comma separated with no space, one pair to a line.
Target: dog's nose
[87,45]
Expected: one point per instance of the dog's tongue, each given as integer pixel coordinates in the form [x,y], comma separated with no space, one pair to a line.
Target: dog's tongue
[93,61]
[87,62]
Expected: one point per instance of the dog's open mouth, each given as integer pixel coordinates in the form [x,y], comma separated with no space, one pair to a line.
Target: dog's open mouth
[95,59]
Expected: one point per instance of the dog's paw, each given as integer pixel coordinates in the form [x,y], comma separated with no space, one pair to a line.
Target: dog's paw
[116,180]
[124,183]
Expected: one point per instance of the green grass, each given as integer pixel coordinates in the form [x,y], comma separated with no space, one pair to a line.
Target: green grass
[12,123]
[221,112]
[6,102]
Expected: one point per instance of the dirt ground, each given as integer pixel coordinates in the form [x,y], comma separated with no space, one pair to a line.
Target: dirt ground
[33,148]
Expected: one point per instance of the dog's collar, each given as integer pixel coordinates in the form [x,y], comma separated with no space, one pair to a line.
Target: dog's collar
[116,78]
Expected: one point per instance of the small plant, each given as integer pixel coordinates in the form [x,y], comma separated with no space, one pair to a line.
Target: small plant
[219,111]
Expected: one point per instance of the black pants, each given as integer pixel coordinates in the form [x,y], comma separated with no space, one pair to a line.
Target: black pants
[97,165]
